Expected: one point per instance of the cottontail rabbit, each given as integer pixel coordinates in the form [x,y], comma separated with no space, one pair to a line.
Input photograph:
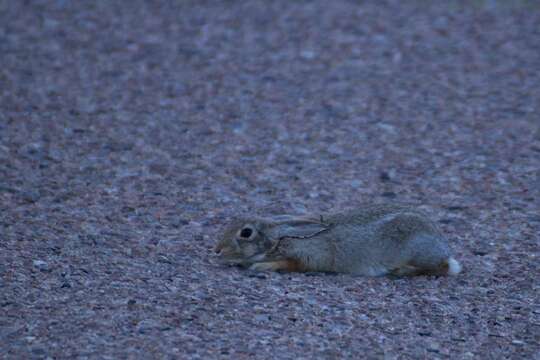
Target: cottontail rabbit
[374,240]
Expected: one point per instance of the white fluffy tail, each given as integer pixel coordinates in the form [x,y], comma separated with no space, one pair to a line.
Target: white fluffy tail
[454,267]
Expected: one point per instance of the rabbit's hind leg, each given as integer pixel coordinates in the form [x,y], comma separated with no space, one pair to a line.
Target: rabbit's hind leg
[406,270]
[411,270]
[429,255]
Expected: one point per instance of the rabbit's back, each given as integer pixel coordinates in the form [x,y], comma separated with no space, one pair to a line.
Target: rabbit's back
[369,214]
[373,241]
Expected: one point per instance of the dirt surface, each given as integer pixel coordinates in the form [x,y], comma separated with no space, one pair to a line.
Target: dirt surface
[132,131]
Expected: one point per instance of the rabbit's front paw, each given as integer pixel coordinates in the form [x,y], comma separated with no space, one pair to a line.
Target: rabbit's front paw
[284,265]
[266,266]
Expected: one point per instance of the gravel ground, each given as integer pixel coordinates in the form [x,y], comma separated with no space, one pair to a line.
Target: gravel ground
[132,131]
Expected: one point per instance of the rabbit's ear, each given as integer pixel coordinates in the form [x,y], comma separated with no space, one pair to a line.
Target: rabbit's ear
[295,227]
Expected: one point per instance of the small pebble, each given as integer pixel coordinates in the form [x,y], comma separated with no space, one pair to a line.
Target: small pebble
[41,265]
[384,176]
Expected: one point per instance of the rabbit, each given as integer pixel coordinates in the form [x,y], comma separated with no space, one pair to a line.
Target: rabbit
[374,240]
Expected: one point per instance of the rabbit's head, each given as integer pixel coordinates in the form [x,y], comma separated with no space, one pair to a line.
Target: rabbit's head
[248,241]
[244,242]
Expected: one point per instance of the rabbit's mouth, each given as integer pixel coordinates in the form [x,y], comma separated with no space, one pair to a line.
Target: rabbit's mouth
[229,257]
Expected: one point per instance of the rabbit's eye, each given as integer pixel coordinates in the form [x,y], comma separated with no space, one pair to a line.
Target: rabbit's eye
[246,232]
